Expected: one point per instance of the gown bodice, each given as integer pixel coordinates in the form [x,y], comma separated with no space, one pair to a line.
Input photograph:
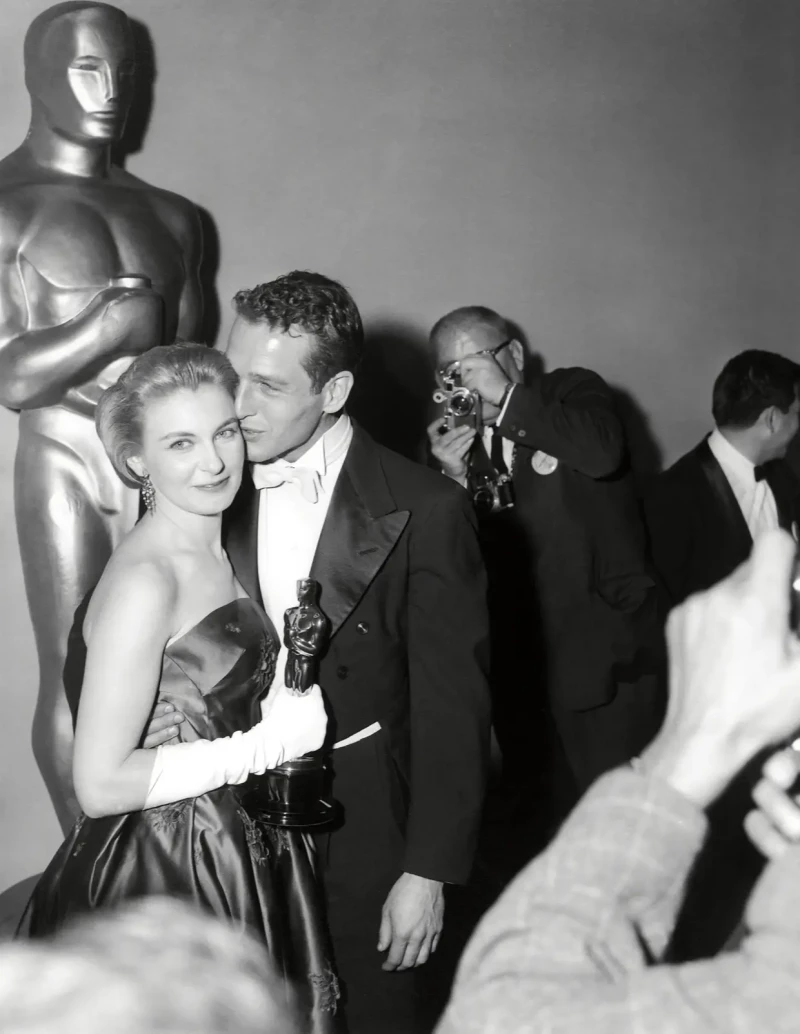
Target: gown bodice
[218,672]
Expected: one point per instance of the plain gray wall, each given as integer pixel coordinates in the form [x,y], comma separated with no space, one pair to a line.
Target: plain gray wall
[619,177]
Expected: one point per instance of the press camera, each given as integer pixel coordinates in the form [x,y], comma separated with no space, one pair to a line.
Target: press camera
[491,494]
[462,406]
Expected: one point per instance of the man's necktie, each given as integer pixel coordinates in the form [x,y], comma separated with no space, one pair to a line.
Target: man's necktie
[496,455]
[759,473]
[281,472]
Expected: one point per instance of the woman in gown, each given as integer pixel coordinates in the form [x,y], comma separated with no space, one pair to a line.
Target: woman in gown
[169,623]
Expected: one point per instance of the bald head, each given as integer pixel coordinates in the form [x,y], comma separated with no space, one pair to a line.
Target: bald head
[473,329]
[469,321]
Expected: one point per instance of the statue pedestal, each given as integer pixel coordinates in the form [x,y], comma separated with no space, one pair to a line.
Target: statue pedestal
[296,795]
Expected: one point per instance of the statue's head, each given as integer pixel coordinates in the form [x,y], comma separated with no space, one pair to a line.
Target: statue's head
[79,66]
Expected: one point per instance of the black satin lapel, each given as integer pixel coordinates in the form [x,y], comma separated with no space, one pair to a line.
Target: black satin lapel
[352,549]
[741,539]
[240,538]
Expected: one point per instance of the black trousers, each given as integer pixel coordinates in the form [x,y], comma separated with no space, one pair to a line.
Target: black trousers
[360,863]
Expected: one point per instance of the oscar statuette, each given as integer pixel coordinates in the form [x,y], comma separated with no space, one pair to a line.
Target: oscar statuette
[297,794]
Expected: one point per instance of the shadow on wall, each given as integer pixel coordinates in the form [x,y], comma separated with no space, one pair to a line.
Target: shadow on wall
[133,141]
[644,451]
[391,398]
[208,278]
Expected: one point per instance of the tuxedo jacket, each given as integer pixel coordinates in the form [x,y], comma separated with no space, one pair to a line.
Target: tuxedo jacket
[571,551]
[697,531]
[403,584]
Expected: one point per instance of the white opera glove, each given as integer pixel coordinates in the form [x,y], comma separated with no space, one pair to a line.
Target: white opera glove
[293,726]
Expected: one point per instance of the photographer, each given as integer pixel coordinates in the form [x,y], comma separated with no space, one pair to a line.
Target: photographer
[571,600]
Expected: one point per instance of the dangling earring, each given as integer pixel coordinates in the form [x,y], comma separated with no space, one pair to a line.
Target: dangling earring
[148,493]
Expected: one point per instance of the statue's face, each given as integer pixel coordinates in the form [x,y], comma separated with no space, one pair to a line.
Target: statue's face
[83,79]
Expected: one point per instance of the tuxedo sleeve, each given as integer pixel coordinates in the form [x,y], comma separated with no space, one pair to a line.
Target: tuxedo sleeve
[448,657]
[569,414]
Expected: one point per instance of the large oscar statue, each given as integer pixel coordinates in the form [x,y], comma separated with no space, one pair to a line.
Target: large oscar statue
[297,794]
[96,266]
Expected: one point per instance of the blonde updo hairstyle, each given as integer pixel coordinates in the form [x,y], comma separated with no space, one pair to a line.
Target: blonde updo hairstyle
[155,374]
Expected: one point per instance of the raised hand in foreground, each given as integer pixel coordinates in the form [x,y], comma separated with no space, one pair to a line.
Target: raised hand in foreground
[734,675]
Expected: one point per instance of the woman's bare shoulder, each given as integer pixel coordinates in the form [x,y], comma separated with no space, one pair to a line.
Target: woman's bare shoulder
[136,579]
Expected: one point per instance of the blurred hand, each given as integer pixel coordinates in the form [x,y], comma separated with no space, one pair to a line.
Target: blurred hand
[483,374]
[451,448]
[163,727]
[734,674]
[775,826]
[411,922]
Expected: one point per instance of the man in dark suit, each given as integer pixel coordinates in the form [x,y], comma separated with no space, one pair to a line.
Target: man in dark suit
[395,549]
[703,512]
[572,603]
[702,516]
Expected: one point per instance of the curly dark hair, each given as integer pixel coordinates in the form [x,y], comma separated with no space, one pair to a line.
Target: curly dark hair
[752,382]
[318,306]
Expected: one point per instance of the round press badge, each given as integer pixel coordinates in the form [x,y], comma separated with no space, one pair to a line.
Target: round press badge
[542,463]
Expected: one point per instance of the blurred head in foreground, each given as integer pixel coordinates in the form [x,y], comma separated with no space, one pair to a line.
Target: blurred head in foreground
[155,964]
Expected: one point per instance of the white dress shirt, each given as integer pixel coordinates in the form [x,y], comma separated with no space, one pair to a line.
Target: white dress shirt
[755,498]
[289,525]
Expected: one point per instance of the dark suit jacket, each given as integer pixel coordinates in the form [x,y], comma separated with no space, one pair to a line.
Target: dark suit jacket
[573,546]
[698,534]
[403,584]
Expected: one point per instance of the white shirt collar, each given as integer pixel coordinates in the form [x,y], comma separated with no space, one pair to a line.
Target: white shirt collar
[729,456]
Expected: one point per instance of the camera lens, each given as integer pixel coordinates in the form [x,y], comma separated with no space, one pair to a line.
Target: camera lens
[483,498]
[462,402]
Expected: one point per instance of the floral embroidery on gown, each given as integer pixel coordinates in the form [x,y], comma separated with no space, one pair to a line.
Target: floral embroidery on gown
[208,849]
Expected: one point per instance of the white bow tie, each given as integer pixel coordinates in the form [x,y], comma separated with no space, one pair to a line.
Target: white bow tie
[281,472]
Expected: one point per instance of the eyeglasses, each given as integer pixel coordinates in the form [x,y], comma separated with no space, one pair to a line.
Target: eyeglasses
[446,372]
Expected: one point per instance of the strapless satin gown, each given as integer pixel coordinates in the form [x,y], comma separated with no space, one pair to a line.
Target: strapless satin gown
[207,849]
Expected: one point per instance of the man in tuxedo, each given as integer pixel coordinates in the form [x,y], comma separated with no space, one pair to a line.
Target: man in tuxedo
[395,550]
[702,516]
[572,603]
[704,512]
